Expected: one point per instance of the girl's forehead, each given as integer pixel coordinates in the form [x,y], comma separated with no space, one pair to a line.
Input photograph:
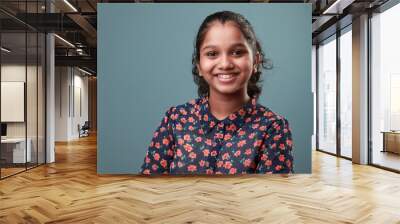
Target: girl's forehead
[219,32]
[220,23]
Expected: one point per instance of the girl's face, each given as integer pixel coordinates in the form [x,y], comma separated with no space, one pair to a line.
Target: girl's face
[226,59]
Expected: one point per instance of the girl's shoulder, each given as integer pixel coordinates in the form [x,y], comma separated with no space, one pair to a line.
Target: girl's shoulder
[190,107]
[266,115]
[193,103]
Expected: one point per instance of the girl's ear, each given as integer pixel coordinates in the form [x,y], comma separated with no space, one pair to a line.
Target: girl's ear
[257,61]
[198,69]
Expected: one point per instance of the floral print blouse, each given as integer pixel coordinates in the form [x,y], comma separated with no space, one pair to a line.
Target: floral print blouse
[190,140]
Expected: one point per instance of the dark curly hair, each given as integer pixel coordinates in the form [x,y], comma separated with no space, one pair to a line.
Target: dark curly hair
[253,87]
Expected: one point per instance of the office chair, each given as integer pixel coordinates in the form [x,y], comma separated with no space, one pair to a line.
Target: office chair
[84,130]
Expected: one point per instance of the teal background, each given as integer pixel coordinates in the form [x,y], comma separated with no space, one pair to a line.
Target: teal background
[144,67]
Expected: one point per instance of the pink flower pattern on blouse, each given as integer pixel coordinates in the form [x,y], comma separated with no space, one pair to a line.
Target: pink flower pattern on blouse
[190,140]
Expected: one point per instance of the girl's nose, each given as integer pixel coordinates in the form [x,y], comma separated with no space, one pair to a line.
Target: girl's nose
[225,62]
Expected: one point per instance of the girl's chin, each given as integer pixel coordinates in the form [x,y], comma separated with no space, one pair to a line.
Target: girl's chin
[227,90]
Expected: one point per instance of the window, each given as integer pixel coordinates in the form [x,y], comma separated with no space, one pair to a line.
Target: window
[327,95]
[385,88]
[346,92]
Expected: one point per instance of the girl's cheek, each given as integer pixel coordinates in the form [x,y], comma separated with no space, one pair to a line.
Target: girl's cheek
[244,63]
[206,64]
[248,63]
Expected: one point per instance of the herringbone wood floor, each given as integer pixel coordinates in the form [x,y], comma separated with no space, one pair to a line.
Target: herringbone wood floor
[70,191]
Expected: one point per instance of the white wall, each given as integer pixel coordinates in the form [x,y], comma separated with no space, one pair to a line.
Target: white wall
[9,73]
[17,72]
[62,81]
[79,111]
[70,84]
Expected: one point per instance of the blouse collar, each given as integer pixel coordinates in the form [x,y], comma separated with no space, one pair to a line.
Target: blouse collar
[233,122]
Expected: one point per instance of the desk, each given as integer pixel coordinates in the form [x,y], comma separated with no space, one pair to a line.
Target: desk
[391,141]
[16,147]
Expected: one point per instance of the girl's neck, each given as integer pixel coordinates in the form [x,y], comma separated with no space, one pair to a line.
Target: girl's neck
[222,105]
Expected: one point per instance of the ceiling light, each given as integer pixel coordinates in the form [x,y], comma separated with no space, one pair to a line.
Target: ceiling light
[65,41]
[5,50]
[70,5]
[338,6]
[86,72]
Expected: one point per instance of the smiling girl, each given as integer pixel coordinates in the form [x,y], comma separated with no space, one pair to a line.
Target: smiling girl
[225,130]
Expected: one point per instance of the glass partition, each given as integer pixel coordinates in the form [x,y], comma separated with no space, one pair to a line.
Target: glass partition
[22,77]
[32,94]
[346,93]
[327,95]
[41,87]
[385,89]
[14,153]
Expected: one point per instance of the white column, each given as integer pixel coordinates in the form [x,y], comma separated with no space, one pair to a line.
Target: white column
[50,92]
[360,90]
[50,100]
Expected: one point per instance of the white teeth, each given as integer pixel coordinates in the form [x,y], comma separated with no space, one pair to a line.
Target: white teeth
[224,76]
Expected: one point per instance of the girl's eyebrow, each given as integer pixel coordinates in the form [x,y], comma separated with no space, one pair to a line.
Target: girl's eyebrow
[208,46]
[238,45]
[232,46]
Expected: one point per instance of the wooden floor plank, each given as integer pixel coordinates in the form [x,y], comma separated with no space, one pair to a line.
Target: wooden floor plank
[70,191]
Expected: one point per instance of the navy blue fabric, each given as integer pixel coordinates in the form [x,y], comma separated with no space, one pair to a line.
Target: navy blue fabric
[190,140]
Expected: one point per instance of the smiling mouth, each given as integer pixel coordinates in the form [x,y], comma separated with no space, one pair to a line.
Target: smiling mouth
[226,77]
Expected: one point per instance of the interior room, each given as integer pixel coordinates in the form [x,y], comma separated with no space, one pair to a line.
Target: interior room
[51,126]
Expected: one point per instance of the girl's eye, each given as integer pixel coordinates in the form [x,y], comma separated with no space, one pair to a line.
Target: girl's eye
[211,53]
[237,52]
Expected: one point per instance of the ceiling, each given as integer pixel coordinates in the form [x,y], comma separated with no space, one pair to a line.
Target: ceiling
[76,22]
